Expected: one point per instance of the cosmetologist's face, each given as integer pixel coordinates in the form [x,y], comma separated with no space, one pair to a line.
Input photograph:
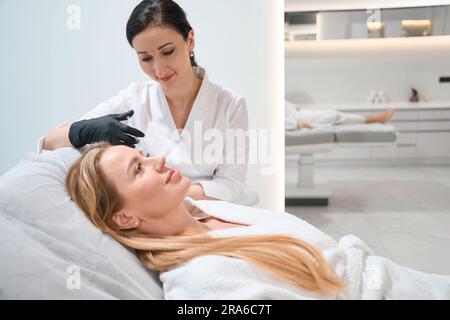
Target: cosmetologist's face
[164,55]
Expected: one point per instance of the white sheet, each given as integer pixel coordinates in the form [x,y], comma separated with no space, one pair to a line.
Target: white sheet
[367,276]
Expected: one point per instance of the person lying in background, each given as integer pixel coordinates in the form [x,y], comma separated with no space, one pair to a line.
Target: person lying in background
[299,118]
[208,249]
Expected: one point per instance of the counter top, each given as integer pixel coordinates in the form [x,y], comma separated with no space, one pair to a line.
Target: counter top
[419,106]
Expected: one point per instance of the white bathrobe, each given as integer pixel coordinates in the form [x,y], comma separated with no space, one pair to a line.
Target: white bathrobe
[366,276]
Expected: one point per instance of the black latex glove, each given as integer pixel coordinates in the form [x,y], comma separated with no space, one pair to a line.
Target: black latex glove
[106,128]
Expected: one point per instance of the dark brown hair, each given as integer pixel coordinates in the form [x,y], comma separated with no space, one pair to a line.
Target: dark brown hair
[158,13]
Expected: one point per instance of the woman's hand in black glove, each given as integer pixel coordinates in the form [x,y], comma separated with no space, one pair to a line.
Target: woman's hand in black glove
[106,128]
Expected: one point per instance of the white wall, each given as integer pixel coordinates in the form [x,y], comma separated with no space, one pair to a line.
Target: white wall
[241,45]
[331,79]
[341,71]
[315,5]
[52,75]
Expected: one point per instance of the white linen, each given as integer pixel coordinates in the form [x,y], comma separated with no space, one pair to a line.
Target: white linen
[214,108]
[318,118]
[367,276]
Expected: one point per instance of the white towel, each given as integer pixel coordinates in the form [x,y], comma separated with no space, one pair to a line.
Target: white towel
[366,276]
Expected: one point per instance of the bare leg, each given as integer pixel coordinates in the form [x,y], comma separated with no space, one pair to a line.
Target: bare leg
[380,117]
[303,125]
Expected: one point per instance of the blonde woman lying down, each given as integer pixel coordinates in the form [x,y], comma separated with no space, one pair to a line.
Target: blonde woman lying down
[218,250]
[299,118]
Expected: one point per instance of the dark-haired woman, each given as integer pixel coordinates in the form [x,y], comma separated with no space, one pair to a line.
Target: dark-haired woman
[171,113]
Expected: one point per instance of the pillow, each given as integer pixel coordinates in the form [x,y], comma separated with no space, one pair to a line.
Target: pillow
[50,250]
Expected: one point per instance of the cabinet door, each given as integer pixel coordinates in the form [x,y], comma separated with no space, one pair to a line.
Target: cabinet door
[405,152]
[350,153]
[433,145]
[434,125]
[435,114]
[408,126]
[405,115]
[384,152]
[406,139]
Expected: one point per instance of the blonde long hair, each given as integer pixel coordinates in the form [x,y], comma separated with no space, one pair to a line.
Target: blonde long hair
[291,259]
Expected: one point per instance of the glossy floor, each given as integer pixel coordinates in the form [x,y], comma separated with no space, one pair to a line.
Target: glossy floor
[402,212]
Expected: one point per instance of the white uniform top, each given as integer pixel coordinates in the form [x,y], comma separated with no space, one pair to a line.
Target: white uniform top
[215,107]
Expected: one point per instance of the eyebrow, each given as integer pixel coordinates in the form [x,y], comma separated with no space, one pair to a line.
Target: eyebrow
[130,164]
[164,45]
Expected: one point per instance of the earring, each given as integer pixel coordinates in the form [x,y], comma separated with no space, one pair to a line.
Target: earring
[135,223]
[192,54]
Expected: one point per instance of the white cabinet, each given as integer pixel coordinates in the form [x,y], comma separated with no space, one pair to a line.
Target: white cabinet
[434,145]
[349,152]
[407,123]
[433,139]
[435,114]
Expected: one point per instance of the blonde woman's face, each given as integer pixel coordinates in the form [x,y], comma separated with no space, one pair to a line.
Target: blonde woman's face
[150,189]
[164,55]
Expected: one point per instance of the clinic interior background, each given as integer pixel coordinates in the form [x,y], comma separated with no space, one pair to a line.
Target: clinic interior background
[342,74]
[52,75]
[393,197]
[350,72]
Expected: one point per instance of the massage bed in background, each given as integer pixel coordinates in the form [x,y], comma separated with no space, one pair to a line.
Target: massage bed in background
[307,142]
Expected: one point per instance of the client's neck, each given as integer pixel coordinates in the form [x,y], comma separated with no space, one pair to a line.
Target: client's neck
[173,223]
